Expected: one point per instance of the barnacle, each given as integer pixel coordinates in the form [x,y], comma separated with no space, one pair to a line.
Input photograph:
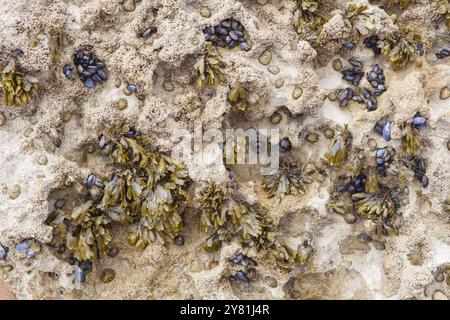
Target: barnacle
[443,7]
[337,151]
[290,179]
[237,96]
[359,19]
[91,234]
[56,39]
[207,69]
[306,19]
[17,87]
[411,142]
[400,47]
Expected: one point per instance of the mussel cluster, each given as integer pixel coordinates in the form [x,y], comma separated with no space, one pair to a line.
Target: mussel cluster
[227,34]
[365,96]
[371,43]
[89,68]
[246,262]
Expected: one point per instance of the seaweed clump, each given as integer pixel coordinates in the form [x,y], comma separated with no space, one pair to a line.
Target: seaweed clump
[91,232]
[290,179]
[224,219]
[145,192]
[401,47]
[17,88]
[359,20]
[443,7]
[307,21]
[207,69]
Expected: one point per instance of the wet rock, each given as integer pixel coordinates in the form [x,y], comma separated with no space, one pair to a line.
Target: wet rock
[297,93]
[274,70]
[279,83]
[334,284]
[352,245]
[378,245]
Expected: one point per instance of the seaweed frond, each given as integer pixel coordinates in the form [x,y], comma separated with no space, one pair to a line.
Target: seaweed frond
[401,47]
[207,69]
[359,19]
[91,232]
[443,7]
[17,88]
[290,179]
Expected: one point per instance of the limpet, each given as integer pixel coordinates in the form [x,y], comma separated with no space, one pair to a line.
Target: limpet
[205,12]
[444,93]
[276,117]
[337,64]
[265,58]
[108,275]
[122,104]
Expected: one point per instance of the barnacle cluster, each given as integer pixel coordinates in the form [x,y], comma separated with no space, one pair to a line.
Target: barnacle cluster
[401,47]
[237,96]
[290,179]
[307,21]
[17,87]
[207,69]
